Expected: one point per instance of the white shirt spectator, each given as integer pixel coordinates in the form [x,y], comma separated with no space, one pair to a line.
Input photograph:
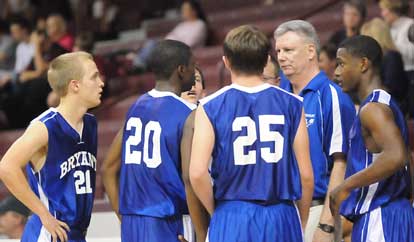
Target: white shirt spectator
[24,55]
[192,33]
[399,34]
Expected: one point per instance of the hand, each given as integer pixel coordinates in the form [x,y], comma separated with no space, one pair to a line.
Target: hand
[24,77]
[322,236]
[56,228]
[4,80]
[181,238]
[336,197]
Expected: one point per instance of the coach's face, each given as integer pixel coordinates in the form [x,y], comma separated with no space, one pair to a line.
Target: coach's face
[292,53]
[347,70]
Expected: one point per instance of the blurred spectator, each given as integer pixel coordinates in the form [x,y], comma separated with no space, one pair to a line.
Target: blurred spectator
[7,47]
[411,33]
[271,71]
[105,13]
[13,217]
[393,13]
[57,32]
[354,13]
[191,31]
[327,60]
[20,31]
[392,71]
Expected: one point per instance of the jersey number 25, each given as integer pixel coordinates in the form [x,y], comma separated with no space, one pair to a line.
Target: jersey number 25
[266,135]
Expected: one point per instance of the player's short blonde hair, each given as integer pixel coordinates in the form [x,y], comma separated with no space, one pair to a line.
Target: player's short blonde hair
[65,68]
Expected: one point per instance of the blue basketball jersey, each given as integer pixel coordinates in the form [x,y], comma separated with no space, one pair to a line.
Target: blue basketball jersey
[397,186]
[150,179]
[253,158]
[66,182]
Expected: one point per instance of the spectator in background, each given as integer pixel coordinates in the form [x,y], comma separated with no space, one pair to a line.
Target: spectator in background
[20,30]
[13,217]
[7,47]
[393,13]
[105,13]
[192,31]
[392,71]
[57,32]
[354,13]
[327,60]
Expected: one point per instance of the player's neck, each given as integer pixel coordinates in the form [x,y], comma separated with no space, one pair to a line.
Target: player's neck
[301,80]
[247,80]
[72,113]
[166,86]
[368,85]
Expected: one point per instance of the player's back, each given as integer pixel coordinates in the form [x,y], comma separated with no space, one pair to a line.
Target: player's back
[395,187]
[253,158]
[150,179]
[66,182]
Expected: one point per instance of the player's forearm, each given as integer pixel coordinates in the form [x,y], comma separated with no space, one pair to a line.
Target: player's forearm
[386,164]
[15,180]
[203,189]
[111,184]
[199,215]
[337,177]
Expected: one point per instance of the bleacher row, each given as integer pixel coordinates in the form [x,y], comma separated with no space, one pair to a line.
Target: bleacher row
[123,89]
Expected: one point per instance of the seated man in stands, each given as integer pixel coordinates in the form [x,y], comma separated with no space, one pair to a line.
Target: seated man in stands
[57,32]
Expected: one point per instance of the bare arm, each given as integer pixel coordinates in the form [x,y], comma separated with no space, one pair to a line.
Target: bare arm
[32,142]
[378,120]
[110,171]
[199,215]
[301,149]
[202,148]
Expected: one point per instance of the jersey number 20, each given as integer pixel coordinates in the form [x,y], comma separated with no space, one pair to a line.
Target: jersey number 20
[266,135]
[134,157]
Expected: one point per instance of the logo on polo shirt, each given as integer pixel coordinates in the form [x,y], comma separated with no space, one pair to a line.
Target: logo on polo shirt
[310,119]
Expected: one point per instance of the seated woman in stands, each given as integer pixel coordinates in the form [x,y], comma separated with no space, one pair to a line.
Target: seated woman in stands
[191,31]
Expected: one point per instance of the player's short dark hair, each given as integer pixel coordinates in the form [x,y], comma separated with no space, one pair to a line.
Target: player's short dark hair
[166,56]
[364,46]
[360,6]
[22,22]
[247,48]
[330,50]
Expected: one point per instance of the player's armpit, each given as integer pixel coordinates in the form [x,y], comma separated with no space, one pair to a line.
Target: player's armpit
[301,149]
[198,213]
[110,171]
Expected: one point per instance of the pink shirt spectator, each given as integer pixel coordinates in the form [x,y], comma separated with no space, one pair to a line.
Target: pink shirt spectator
[192,33]
[67,42]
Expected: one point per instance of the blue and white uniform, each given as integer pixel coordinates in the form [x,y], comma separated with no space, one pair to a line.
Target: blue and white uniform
[329,115]
[254,169]
[66,182]
[152,195]
[381,211]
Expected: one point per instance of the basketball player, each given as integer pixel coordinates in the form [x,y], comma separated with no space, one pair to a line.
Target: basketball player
[152,199]
[58,150]
[375,194]
[257,138]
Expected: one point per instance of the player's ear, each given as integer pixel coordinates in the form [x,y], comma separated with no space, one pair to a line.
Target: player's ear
[180,71]
[226,62]
[364,64]
[73,85]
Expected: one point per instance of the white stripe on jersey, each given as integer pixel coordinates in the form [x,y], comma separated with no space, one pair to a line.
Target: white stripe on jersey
[371,190]
[188,229]
[375,231]
[44,235]
[336,137]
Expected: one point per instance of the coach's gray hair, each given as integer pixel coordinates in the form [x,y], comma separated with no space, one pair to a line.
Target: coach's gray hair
[302,28]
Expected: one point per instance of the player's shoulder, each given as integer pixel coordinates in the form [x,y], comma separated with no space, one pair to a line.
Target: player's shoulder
[46,116]
[380,96]
[217,94]
[286,94]
[171,97]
